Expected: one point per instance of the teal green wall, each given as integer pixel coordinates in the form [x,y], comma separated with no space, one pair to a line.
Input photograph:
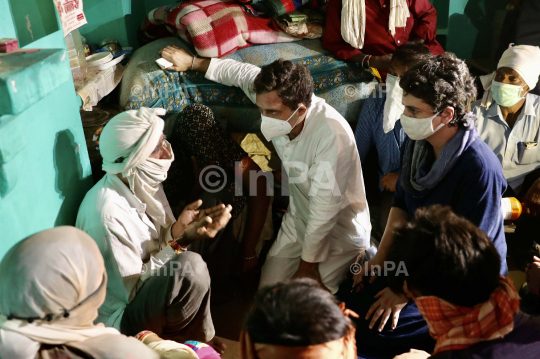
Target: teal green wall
[469,25]
[53,170]
[33,19]
[118,19]
[107,19]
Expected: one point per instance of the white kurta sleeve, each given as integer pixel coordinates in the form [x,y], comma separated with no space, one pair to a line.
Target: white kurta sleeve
[124,248]
[329,176]
[158,260]
[127,252]
[233,73]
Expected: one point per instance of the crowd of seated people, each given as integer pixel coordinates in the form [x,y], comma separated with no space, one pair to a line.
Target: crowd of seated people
[437,284]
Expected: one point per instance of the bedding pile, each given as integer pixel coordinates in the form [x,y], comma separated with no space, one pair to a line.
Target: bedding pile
[343,85]
[215,27]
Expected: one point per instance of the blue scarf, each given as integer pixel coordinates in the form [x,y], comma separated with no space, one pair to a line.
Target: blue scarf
[420,169]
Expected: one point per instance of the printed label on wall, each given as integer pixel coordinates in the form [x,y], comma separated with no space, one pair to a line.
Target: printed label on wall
[71,14]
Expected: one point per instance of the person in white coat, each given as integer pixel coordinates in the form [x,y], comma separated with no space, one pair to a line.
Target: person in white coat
[327,223]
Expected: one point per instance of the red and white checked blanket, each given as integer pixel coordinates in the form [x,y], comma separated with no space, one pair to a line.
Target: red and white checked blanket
[215,27]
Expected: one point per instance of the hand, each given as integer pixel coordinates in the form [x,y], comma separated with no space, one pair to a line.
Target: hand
[360,276]
[532,200]
[179,57]
[413,354]
[188,215]
[209,222]
[309,270]
[388,302]
[218,345]
[389,181]
[533,276]
[348,312]
[381,63]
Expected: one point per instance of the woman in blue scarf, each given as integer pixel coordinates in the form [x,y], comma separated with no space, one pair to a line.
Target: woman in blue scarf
[443,162]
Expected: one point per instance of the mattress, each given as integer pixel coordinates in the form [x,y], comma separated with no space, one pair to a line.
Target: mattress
[343,85]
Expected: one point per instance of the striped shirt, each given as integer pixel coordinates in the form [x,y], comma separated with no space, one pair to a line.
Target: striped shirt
[509,143]
[369,132]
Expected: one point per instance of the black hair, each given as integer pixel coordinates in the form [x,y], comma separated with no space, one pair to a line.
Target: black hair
[296,313]
[292,82]
[445,256]
[442,82]
[411,53]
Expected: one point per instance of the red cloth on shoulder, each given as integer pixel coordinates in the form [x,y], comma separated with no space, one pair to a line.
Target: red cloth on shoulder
[377,40]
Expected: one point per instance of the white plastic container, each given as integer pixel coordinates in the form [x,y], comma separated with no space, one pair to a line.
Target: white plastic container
[511,208]
[99,58]
[77,58]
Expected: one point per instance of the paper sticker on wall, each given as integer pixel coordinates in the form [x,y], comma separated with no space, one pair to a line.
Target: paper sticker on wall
[71,14]
[33,19]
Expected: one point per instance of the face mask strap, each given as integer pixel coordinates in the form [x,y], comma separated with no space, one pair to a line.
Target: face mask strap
[522,88]
[298,108]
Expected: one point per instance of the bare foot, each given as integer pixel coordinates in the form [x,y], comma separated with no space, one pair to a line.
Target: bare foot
[218,345]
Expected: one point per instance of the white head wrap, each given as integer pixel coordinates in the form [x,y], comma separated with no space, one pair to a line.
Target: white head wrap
[48,274]
[134,135]
[353,20]
[523,59]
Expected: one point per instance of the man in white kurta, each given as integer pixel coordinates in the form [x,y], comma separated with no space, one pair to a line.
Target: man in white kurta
[327,223]
[153,283]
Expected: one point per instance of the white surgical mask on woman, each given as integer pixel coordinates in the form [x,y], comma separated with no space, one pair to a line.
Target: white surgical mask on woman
[506,95]
[272,127]
[419,128]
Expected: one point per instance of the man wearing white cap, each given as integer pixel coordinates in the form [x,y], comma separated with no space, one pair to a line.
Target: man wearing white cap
[154,283]
[509,122]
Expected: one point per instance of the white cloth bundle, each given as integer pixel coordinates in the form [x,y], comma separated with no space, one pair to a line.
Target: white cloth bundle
[133,136]
[169,349]
[524,59]
[353,20]
[393,107]
[53,271]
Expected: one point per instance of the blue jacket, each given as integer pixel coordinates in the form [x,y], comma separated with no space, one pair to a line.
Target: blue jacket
[473,188]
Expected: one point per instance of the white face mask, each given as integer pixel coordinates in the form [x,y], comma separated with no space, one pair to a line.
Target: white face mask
[506,95]
[419,128]
[393,107]
[272,127]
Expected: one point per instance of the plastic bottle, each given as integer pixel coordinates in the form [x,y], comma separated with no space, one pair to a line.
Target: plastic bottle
[77,58]
[511,208]
[85,46]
